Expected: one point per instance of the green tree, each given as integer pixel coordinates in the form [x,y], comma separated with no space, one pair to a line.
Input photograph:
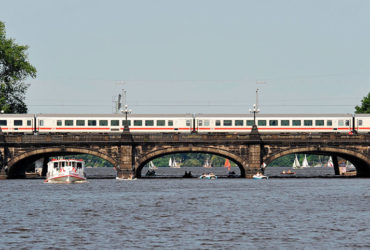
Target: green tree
[14,69]
[365,105]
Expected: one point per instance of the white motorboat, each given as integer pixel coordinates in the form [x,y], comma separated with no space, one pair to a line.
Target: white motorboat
[66,171]
[259,176]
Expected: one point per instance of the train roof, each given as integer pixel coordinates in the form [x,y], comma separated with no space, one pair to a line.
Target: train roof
[362,115]
[117,115]
[16,115]
[273,115]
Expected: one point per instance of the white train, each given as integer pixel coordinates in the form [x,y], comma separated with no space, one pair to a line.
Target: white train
[184,123]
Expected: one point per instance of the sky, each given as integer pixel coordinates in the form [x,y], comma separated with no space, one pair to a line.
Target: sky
[194,56]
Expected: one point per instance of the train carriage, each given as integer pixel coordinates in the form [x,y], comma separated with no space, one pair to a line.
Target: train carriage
[17,123]
[362,123]
[111,123]
[274,123]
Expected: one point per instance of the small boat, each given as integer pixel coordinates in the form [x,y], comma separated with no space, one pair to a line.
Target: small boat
[287,172]
[210,176]
[129,178]
[150,172]
[259,176]
[66,171]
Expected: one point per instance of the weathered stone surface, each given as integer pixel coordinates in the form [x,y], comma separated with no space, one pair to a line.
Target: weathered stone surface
[130,152]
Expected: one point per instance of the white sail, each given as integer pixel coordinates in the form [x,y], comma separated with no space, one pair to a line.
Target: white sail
[296,163]
[305,162]
[170,163]
[173,163]
[207,164]
[330,163]
[152,166]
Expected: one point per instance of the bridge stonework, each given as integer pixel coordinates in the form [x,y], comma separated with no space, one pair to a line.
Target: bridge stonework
[129,153]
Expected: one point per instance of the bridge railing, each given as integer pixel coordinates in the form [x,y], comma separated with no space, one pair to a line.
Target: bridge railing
[168,137]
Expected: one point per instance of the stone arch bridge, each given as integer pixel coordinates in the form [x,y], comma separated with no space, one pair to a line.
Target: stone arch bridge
[130,152]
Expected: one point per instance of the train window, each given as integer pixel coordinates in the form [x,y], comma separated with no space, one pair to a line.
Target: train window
[218,123]
[239,123]
[262,122]
[128,121]
[188,122]
[206,122]
[285,123]
[59,123]
[296,123]
[347,122]
[28,122]
[3,123]
[114,122]
[79,165]
[170,123]
[18,122]
[307,122]
[80,123]
[329,123]
[161,123]
[138,123]
[319,122]
[359,123]
[341,123]
[273,123]
[55,164]
[91,122]
[149,123]
[103,122]
[228,122]
[250,123]
[200,123]
[68,123]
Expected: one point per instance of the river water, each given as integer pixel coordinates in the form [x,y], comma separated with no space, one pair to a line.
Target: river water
[324,213]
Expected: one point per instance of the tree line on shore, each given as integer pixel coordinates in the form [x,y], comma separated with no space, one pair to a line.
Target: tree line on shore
[199,159]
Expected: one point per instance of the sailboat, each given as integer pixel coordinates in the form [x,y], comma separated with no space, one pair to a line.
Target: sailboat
[207,164]
[319,164]
[152,166]
[330,163]
[173,163]
[305,162]
[350,167]
[227,164]
[296,163]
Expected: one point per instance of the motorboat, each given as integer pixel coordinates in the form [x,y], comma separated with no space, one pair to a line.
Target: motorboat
[259,176]
[131,177]
[210,176]
[288,172]
[66,171]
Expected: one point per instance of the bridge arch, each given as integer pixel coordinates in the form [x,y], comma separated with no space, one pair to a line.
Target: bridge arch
[15,167]
[360,161]
[187,149]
